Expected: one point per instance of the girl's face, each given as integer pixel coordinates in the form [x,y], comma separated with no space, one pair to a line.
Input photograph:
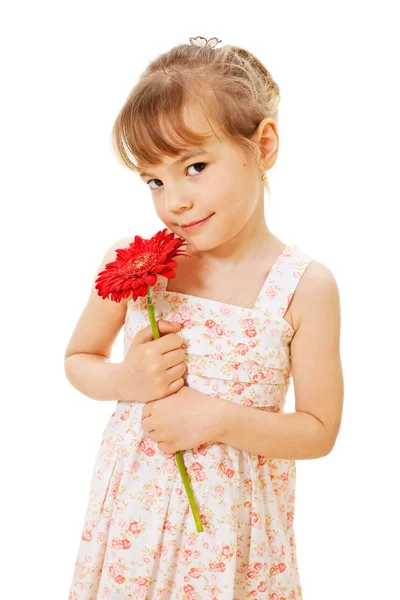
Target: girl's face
[217,181]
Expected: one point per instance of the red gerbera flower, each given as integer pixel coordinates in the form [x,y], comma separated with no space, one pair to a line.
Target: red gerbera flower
[136,267]
[135,271]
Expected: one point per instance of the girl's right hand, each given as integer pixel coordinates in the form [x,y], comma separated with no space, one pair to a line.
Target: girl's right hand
[152,369]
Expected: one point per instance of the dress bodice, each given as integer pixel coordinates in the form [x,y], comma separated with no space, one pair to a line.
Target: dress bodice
[243,353]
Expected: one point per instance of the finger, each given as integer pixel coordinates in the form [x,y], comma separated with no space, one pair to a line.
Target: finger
[173,357]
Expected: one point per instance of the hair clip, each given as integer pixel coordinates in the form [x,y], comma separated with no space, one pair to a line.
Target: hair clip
[202,41]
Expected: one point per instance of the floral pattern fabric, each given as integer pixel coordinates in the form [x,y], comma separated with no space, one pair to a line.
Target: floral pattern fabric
[139,538]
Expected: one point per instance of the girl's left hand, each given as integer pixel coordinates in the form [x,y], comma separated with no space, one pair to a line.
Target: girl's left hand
[183,420]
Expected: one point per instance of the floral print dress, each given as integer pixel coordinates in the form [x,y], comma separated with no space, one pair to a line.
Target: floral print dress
[139,538]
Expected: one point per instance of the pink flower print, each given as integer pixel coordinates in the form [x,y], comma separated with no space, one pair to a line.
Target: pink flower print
[196,466]
[202,449]
[190,538]
[261,460]
[221,467]
[257,566]
[261,548]
[220,567]
[167,525]
[123,544]
[241,349]
[147,449]
[188,589]
[257,377]
[238,387]
[227,551]
[186,312]
[135,527]
[225,310]
[229,472]
[170,465]
[251,333]
[279,568]
[262,587]
[219,330]
[205,519]
[219,489]
[142,581]
[271,293]
[254,518]
[252,344]
[187,553]
[210,323]
[116,576]
[200,476]
[297,274]
[249,484]
[179,491]
[86,536]
[186,323]
[248,402]
[248,323]
[124,415]
[251,574]
[194,572]
[236,366]
[100,537]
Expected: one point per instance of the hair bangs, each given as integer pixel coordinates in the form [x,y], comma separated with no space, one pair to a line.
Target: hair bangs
[152,125]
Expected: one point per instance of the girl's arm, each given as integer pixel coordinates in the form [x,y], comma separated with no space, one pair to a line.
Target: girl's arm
[86,362]
[311,431]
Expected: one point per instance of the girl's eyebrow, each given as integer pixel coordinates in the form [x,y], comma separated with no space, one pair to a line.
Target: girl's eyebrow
[195,151]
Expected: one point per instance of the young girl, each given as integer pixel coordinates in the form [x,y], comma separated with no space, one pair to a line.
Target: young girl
[254,310]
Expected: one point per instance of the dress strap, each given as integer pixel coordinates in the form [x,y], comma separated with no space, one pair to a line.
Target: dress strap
[282,280]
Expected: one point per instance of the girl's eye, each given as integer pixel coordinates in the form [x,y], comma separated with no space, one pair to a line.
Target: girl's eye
[194,165]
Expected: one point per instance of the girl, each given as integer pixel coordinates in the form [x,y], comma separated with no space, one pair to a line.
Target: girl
[254,310]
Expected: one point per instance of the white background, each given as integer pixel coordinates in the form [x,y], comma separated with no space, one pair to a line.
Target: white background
[67,68]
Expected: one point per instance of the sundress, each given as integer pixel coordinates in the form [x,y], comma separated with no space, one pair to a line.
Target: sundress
[139,538]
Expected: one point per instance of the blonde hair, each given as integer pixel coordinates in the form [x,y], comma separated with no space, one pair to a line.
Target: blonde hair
[232,87]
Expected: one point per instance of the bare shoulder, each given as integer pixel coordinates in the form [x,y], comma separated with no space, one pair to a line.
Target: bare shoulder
[102,319]
[317,290]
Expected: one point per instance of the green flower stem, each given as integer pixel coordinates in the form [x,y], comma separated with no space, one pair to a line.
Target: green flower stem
[178,455]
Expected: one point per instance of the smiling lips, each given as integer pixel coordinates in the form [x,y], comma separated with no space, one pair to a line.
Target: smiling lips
[195,224]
